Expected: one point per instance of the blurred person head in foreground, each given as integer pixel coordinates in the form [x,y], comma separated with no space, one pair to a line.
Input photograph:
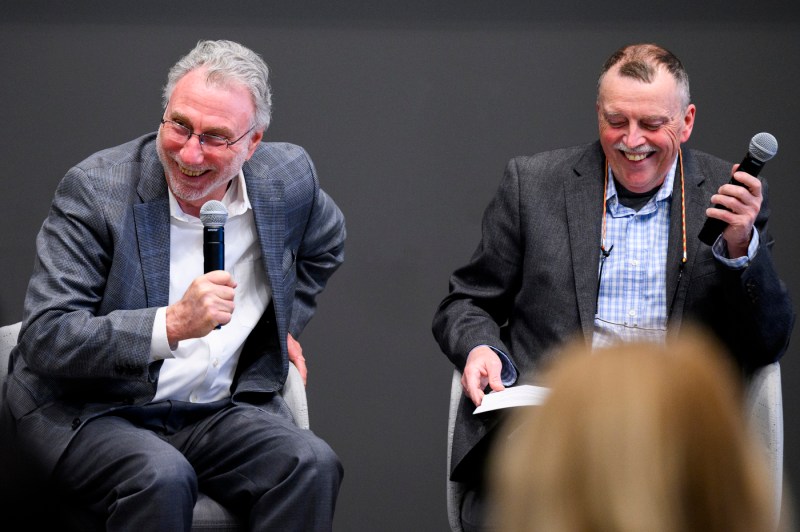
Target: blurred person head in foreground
[635,437]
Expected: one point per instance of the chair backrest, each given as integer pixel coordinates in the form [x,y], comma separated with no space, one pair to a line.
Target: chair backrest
[764,411]
[8,339]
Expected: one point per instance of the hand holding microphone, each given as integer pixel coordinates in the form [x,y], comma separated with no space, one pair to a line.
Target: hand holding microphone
[208,302]
[763,147]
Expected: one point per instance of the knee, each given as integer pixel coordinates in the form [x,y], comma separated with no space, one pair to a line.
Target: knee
[170,473]
[318,458]
[161,495]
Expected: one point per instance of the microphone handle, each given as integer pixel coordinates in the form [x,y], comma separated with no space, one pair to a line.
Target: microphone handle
[713,227]
[213,249]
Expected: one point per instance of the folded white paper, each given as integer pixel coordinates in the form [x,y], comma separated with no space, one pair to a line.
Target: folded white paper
[522,395]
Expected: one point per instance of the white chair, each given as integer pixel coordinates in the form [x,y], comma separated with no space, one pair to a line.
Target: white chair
[764,410]
[209,515]
[455,490]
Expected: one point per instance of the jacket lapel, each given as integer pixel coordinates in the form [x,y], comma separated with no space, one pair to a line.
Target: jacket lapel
[696,205]
[266,198]
[584,197]
[152,230]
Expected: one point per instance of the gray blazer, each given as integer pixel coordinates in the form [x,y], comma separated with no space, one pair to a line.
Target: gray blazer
[531,284]
[102,270]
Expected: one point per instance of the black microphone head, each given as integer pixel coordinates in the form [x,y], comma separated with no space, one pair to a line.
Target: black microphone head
[213,214]
[763,147]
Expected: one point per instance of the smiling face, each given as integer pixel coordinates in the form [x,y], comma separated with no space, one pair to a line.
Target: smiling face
[642,126]
[195,173]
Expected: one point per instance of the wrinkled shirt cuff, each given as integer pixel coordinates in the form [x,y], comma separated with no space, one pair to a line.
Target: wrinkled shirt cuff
[720,251]
[509,374]
[159,345]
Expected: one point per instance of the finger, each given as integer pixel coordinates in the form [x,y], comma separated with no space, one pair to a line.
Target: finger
[738,192]
[729,203]
[737,199]
[225,294]
[733,210]
[475,395]
[496,383]
[295,352]
[749,180]
[223,318]
[471,382]
[300,364]
[221,277]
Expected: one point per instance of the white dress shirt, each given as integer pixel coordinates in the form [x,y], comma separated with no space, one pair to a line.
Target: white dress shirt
[202,369]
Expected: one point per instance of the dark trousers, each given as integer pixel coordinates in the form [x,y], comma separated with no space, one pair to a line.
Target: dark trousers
[140,468]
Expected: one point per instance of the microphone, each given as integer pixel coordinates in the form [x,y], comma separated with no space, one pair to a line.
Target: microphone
[763,147]
[213,214]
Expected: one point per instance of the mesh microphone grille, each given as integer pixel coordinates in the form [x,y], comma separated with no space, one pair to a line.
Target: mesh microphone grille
[213,214]
[763,147]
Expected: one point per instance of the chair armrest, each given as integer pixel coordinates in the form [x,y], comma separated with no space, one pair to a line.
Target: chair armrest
[294,393]
[764,411]
[455,490]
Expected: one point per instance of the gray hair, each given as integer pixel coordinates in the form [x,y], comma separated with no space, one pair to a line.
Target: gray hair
[640,61]
[226,62]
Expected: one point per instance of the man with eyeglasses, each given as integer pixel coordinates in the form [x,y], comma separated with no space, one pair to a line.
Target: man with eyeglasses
[138,378]
[601,241]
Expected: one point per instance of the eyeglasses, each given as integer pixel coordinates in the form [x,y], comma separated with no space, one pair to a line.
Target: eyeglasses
[177,132]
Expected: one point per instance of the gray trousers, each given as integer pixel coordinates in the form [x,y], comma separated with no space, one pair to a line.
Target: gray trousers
[140,468]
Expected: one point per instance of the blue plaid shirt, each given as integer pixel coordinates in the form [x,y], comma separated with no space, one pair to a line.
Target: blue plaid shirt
[632,302]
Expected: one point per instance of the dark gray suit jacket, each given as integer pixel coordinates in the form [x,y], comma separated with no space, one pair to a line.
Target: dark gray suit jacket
[531,284]
[102,270]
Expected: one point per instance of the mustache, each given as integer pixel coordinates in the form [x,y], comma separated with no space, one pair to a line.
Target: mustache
[645,148]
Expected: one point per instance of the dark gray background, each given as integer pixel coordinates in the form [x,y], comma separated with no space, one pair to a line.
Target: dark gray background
[410,111]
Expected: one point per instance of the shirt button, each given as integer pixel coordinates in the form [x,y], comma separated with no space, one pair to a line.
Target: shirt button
[634,262]
[631,313]
[215,362]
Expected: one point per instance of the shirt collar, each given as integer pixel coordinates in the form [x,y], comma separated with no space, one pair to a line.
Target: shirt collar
[235,200]
[664,191]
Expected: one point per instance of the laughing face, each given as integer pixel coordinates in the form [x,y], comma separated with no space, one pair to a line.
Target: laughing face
[642,126]
[197,173]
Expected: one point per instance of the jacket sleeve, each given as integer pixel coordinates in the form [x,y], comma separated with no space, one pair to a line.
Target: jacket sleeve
[481,294]
[319,255]
[66,331]
[757,317]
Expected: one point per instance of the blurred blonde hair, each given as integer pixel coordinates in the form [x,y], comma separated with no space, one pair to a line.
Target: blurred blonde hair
[638,437]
